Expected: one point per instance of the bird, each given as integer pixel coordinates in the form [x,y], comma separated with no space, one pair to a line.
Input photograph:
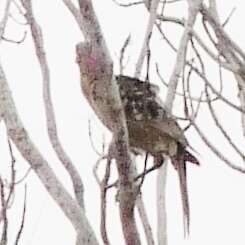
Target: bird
[151,128]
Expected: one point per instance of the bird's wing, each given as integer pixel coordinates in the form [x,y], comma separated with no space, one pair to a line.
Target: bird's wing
[135,85]
[170,127]
[142,103]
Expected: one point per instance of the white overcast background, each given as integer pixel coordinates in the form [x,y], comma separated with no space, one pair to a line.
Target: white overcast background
[217,193]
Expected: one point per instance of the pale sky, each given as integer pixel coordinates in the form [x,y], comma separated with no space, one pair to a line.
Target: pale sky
[216,192]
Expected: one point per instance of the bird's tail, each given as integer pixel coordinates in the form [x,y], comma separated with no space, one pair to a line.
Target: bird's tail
[180,166]
[188,157]
[179,163]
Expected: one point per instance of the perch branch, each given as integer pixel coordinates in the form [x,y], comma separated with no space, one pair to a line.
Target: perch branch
[96,66]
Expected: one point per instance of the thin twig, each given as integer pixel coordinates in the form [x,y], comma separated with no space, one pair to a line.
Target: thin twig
[17,21]
[139,176]
[193,98]
[75,12]
[20,232]
[145,221]
[144,171]
[220,127]
[199,57]
[13,175]
[216,92]
[210,14]
[4,237]
[4,20]
[194,112]
[229,17]
[148,61]
[123,49]
[127,4]
[148,33]
[18,7]
[181,54]
[211,54]
[91,139]
[14,41]
[216,151]
[96,166]
[24,176]
[103,185]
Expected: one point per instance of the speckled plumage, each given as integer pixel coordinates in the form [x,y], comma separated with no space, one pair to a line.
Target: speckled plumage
[150,127]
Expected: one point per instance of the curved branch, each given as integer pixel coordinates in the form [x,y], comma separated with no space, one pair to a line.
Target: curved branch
[75,12]
[216,151]
[193,9]
[151,22]
[145,220]
[161,204]
[220,127]
[214,90]
[18,134]
[212,17]
[20,231]
[231,51]
[5,18]
[49,110]
[199,40]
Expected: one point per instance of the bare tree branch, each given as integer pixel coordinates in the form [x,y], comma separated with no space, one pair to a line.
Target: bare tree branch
[214,90]
[211,16]
[18,7]
[95,62]
[220,127]
[4,238]
[75,12]
[103,207]
[212,55]
[193,9]
[151,22]
[145,220]
[229,17]
[230,50]
[193,98]
[137,177]
[21,139]
[20,232]
[140,203]
[50,116]
[123,49]
[91,140]
[15,41]
[4,20]
[128,4]
[13,175]
[219,154]
[161,205]
[24,176]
